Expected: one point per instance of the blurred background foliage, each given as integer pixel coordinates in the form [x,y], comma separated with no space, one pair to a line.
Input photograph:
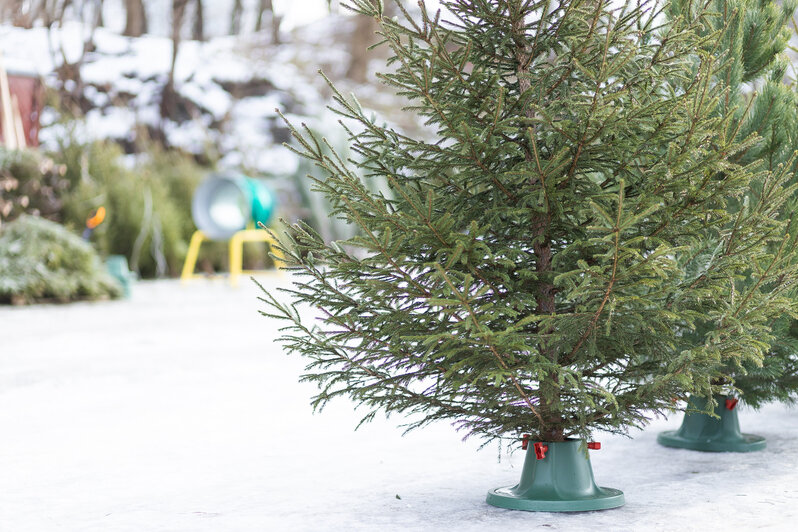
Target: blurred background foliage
[148,202]
[136,135]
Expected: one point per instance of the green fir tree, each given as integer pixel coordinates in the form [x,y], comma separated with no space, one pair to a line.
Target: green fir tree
[755,38]
[543,257]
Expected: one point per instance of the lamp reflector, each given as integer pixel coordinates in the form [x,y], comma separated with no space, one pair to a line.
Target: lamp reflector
[224,204]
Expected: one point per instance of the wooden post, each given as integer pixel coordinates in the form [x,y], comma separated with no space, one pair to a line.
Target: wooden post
[9,131]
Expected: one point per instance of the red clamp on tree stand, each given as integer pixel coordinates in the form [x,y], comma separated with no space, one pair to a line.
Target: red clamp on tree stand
[731,403]
[540,450]
[595,445]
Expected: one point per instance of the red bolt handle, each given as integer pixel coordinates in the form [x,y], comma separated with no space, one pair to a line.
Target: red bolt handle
[540,450]
[731,403]
[595,445]
[525,441]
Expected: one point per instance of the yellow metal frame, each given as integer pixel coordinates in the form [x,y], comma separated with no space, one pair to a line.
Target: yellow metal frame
[236,252]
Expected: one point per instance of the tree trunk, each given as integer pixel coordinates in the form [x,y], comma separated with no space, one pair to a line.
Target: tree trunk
[136,18]
[62,11]
[168,98]
[549,388]
[262,7]
[266,6]
[235,18]
[11,11]
[100,19]
[362,38]
[44,12]
[198,28]
[276,20]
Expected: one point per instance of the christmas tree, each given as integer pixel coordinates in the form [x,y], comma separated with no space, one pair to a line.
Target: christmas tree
[760,47]
[540,258]
[755,34]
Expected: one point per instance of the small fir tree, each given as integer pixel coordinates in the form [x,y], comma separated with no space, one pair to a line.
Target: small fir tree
[540,260]
[755,37]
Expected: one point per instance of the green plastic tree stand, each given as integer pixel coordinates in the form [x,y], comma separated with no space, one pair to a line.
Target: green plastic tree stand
[702,432]
[557,477]
[118,268]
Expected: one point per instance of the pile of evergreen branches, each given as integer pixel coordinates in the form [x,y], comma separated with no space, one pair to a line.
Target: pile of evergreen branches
[42,260]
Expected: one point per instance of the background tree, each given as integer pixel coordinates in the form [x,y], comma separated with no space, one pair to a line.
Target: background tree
[135,18]
[68,70]
[47,12]
[265,7]
[236,12]
[15,11]
[542,258]
[362,38]
[198,26]
[169,95]
[755,38]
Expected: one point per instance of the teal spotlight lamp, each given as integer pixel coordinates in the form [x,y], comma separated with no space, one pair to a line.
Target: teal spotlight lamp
[225,204]
[229,207]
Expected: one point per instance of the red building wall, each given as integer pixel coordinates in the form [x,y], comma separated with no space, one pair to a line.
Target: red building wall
[30,96]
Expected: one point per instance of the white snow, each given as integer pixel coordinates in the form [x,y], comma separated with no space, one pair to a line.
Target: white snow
[176,411]
[112,122]
[125,79]
[217,14]
[230,87]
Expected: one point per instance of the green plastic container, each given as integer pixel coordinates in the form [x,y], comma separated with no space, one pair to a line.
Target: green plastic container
[702,432]
[561,481]
[118,268]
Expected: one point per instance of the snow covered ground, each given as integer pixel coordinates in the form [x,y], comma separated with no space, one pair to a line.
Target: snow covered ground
[175,411]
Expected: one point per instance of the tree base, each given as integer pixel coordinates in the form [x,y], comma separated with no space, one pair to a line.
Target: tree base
[560,481]
[701,432]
